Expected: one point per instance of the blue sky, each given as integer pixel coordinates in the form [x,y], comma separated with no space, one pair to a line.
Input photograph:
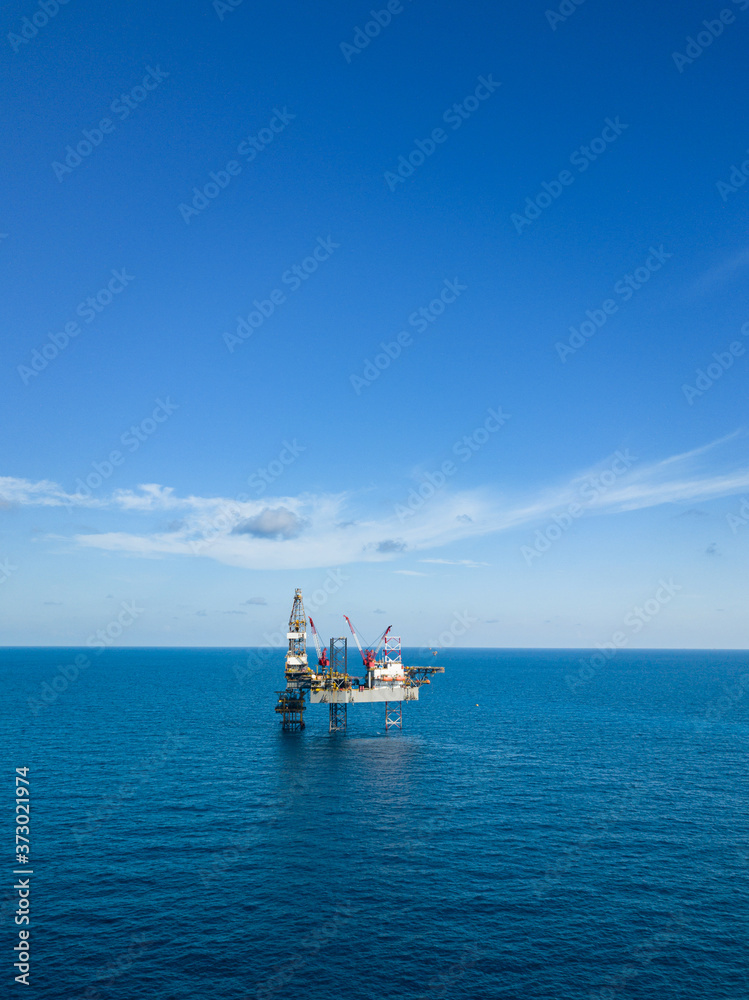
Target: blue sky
[476,262]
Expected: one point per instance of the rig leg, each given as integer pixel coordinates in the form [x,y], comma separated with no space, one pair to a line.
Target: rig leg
[393,716]
[337,717]
[290,707]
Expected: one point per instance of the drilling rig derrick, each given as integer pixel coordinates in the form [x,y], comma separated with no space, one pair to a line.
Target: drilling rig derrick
[290,703]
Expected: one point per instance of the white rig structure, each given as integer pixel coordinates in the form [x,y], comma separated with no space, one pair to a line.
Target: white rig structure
[385,679]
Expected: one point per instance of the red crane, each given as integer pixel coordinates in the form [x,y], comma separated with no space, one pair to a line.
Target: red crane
[322,656]
[369,656]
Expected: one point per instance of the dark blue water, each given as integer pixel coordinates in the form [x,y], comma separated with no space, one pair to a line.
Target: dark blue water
[523,837]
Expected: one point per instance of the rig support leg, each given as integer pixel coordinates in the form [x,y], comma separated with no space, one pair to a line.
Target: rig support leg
[290,706]
[337,717]
[393,716]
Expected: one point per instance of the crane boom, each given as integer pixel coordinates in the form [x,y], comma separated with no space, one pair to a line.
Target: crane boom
[356,637]
[369,655]
[316,637]
[322,657]
[382,638]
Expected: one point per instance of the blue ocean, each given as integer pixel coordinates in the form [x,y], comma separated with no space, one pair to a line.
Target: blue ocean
[532,832]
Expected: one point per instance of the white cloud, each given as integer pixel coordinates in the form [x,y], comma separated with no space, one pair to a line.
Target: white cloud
[24,493]
[271,522]
[390,545]
[309,531]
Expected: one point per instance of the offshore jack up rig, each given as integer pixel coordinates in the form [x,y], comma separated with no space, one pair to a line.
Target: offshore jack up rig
[385,679]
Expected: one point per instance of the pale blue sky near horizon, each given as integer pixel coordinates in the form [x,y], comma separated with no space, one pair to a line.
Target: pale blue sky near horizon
[491,463]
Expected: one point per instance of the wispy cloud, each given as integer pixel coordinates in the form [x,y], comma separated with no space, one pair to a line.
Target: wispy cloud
[732,266]
[310,530]
[469,563]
